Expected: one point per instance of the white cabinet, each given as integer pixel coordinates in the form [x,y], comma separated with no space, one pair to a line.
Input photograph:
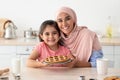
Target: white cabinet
[108,52]
[24,52]
[6,54]
[117,56]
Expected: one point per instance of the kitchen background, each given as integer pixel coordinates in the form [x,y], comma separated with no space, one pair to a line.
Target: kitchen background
[31,13]
[91,13]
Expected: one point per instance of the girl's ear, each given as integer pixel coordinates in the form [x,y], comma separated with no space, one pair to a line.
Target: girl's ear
[41,36]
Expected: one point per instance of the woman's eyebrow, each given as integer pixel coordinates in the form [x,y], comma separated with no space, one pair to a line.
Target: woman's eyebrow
[68,16]
[64,18]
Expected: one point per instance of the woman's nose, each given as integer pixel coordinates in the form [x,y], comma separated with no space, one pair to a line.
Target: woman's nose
[64,23]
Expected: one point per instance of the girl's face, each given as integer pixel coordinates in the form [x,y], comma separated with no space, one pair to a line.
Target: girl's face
[65,23]
[50,36]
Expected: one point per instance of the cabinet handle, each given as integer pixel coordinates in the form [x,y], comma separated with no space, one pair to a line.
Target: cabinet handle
[27,49]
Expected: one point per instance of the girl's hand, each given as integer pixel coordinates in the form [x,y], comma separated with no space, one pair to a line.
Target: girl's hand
[44,64]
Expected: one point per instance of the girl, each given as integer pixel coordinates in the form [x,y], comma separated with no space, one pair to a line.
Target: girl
[50,45]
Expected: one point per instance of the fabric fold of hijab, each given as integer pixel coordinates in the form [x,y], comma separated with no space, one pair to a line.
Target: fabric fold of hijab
[81,41]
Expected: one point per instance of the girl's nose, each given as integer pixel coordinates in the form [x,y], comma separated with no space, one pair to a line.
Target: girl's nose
[51,35]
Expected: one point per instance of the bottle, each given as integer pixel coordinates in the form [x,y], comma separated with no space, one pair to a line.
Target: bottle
[109,28]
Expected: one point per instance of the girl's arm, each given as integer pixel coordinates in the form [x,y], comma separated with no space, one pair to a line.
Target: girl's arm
[32,60]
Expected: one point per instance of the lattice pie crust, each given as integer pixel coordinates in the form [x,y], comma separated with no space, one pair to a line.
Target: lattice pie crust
[56,59]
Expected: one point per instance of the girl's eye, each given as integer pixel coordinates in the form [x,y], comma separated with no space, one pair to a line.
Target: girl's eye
[54,32]
[47,34]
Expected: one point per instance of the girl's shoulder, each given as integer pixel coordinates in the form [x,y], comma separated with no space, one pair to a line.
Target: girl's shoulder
[63,47]
[40,44]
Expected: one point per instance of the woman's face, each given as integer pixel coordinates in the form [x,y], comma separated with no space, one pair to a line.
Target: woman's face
[65,23]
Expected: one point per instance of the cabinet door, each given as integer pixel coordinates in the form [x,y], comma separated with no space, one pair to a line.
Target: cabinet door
[117,56]
[6,55]
[7,50]
[24,49]
[24,52]
[108,52]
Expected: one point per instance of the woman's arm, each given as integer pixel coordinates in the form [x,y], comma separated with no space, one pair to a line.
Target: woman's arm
[32,60]
[95,55]
[82,64]
[92,61]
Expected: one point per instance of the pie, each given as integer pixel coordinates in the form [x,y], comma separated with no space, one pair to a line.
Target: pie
[112,78]
[56,59]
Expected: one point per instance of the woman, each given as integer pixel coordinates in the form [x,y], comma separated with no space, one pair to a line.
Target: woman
[82,42]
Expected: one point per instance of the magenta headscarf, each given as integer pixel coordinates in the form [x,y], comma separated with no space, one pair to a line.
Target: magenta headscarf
[81,40]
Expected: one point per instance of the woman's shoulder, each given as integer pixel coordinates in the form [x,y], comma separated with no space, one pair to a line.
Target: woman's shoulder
[85,29]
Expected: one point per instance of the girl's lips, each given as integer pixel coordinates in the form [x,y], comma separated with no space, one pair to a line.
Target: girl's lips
[51,40]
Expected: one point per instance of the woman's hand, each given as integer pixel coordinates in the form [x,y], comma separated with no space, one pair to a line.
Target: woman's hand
[72,63]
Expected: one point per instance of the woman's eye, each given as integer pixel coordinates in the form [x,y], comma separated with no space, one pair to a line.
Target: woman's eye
[67,18]
[59,20]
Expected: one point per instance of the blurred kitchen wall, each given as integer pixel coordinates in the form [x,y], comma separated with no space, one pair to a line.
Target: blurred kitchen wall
[91,13]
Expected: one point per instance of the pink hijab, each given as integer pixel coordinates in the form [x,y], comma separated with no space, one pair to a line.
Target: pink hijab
[81,40]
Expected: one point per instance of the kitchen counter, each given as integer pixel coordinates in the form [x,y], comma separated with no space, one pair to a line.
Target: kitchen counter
[110,41]
[19,42]
[31,42]
[62,73]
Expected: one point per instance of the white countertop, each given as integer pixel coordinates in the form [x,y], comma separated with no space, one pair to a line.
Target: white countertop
[63,73]
[19,42]
[31,42]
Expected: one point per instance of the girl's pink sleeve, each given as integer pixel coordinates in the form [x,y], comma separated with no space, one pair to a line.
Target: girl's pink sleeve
[38,47]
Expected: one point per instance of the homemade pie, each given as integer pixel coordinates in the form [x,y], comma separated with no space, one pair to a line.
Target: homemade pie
[56,59]
[112,78]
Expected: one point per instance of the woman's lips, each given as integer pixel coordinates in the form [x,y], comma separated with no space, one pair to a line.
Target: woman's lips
[65,28]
